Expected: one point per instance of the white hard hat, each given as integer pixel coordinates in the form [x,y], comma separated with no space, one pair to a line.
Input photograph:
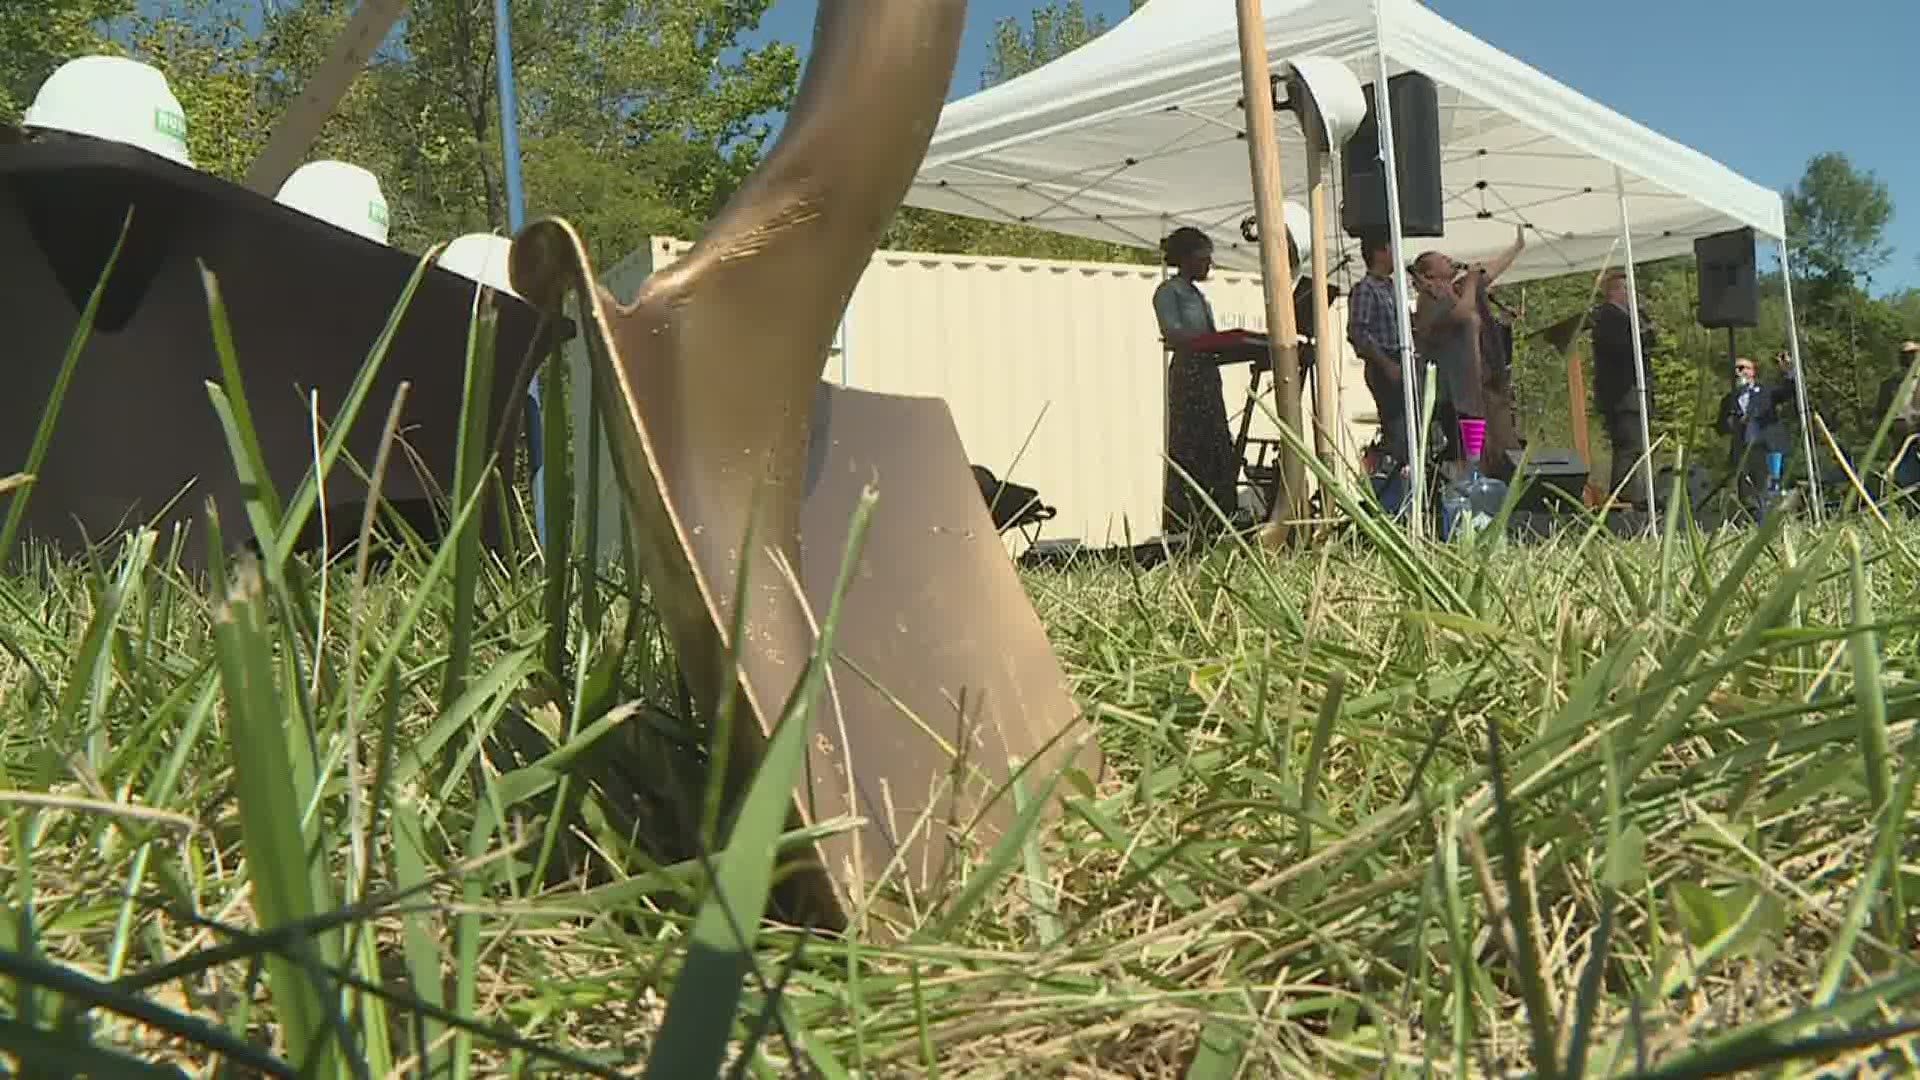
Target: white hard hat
[1335,92]
[115,99]
[482,257]
[343,195]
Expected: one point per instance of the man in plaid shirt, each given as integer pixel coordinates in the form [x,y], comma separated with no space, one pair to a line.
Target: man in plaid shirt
[1373,328]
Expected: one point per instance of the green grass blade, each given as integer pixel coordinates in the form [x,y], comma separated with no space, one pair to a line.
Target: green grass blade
[236,416]
[1870,691]
[1041,895]
[1884,864]
[1218,1053]
[557,475]
[418,942]
[1779,1041]
[76,987]
[470,470]
[300,506]
[701,1010]
[87,682]
[271,809]
[1541,1022]
[49,1053]
[1586,1005]
[999,862]
[1317,758]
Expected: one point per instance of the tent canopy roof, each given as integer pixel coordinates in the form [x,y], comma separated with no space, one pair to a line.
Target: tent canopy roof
[1139,131]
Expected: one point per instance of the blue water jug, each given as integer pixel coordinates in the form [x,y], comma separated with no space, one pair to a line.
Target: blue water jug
[1776,465]
[1486,495]
[1470,505]
[1454,510]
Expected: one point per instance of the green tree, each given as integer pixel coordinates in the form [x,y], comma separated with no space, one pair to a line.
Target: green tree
[656,100]
[37,36]
[214,64]
[1837,218]
[1906,306]
[1049,33]
[1018,46]
[636,116]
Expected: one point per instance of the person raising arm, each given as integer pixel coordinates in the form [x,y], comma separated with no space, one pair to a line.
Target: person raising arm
[1445,320]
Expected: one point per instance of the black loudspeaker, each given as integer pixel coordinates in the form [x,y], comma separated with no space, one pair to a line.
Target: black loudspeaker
[1416,139]
[1729,280]
[1557,479]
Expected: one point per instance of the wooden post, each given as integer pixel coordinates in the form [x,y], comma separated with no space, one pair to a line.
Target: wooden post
[1263,148]
[300,125]
[1577,418]
[1327,401]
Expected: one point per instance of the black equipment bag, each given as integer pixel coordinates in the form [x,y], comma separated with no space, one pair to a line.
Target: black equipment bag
[1011,505]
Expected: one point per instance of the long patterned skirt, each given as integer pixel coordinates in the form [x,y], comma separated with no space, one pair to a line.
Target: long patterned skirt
[1201,444]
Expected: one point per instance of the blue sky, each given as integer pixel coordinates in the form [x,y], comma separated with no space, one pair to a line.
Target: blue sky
[1761,85]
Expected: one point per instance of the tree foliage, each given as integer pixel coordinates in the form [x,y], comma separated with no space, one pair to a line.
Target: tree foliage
[1049,33]
[1018,46]
[36,36]
[636,116]
[1837,218]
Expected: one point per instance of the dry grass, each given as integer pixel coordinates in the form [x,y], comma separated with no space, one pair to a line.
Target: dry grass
[1334,913]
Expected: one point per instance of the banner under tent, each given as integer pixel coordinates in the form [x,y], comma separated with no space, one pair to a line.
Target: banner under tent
[1140,131]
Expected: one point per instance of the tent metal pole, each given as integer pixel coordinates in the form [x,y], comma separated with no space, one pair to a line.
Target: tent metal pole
[1166,403]
[1639,352]
[1276,271]
[516,220]
[1800,386]
[1403,292]
[509,117]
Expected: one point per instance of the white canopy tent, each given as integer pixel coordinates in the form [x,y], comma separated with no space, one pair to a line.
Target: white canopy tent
[1140,131]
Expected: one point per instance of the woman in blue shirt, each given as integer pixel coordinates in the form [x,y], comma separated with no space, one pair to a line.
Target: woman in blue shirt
[1198,439]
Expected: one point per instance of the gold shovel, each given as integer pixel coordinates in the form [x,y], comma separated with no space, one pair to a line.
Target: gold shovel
[943,681]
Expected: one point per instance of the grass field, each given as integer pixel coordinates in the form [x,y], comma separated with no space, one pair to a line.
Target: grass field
[1587,808]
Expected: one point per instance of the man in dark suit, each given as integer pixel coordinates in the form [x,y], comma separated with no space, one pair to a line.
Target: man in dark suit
[1751,418]
[1906,418]
[1614,386]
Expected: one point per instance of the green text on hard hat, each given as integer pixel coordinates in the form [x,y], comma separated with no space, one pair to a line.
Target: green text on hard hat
[170,123]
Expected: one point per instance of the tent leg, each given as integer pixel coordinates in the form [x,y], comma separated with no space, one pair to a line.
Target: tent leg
[1409,375]
[516,220]
[1577,420]
[1639,352]
[1800,388]
[1263,146]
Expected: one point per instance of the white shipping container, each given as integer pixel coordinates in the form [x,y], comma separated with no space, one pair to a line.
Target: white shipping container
[1053,370]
